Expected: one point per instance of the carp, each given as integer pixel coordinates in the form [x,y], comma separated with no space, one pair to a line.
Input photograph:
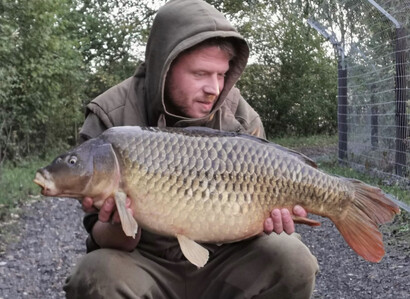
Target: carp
[207,186]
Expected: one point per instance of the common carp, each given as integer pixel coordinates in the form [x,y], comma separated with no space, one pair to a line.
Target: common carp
[204,185]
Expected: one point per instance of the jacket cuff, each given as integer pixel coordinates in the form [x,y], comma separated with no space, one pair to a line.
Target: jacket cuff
[88,222]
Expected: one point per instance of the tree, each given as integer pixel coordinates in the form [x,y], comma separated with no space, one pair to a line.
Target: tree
[44,72]
[49,49]
[111,36]
[55,56]
[291,79]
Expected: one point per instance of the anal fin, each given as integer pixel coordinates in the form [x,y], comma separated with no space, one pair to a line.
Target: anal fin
[194,252]
[128,223]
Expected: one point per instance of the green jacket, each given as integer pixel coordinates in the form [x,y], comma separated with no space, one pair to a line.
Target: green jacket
[139,100]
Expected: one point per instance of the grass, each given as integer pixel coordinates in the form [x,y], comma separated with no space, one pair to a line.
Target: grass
[310,141]
[16,181]
[399,192]
[17,186]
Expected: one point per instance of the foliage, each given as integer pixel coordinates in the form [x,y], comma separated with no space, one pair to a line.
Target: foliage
[110,35]
[43,77]
[313,141]
[55,56]
[292,84]
[48,49]
[16,180]
[396,190]
[107,76]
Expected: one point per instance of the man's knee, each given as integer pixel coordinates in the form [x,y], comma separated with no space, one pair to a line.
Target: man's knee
[105,273]
[92,272]
[293,269]
[102,264]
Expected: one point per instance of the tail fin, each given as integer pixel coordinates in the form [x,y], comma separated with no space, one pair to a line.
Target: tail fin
[359,227]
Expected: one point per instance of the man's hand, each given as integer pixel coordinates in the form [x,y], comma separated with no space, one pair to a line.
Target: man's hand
[108,211]
[107,231]
[280,220]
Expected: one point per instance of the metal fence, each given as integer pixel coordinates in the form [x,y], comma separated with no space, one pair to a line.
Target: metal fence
[373,46]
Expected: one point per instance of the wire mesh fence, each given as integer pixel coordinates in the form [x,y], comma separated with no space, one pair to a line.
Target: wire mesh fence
[373,46]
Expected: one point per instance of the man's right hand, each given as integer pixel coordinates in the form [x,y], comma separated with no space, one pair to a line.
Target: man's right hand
[108,211]
[107,231]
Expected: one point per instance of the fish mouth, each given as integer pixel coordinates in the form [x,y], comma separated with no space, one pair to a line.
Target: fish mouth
[42,179]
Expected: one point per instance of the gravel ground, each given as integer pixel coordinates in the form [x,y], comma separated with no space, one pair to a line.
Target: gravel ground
[46,244]
[51,239]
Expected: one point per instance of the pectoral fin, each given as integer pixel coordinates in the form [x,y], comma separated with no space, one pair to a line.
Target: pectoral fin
[128,223]
[305,220]
[194,252]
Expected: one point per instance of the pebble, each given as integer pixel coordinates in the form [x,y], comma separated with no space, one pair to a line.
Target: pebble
[32,266]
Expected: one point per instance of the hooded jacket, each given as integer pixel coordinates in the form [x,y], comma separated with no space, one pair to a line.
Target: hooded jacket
[139,100]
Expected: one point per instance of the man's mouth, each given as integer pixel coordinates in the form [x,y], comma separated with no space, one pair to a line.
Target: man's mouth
[208,100]
[208,105]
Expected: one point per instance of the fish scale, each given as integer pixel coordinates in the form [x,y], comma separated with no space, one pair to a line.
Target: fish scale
[199,156]
[203,185]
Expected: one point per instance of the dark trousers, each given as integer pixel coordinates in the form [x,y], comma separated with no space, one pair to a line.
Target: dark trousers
[275,266]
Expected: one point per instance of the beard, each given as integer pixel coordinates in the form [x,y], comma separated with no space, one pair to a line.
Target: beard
[178,103]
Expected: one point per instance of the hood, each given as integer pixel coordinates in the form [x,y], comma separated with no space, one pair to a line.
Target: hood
[179,25]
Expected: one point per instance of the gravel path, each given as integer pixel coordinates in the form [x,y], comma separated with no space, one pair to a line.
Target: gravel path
[51,240]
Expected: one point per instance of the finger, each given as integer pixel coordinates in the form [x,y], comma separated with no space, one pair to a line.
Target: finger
[268,226]
[115,219]
[287,221]
[116,216]
[87,205]
[277,221]
[299,211]
[128,202]
[106,210]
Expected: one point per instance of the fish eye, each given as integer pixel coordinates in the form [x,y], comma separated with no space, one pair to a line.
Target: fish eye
[72,160]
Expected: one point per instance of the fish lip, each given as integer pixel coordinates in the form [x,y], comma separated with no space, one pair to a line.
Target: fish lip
[42,179]
[40,183]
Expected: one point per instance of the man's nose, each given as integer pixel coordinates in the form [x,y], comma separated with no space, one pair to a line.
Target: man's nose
[212,85]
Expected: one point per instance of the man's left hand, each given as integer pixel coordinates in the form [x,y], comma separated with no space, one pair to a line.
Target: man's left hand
[280,220]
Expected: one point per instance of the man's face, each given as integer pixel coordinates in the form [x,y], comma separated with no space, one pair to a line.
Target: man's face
[195,81]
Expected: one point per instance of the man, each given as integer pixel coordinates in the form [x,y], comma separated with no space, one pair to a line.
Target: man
[193,59]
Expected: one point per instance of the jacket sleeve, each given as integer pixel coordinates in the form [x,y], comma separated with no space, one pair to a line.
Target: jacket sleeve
[88,221]
[92,127]
[249,119]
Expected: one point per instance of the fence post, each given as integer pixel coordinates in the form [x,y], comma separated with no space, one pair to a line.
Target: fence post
[341,90]
[374,119]
[342,112]
[401,123]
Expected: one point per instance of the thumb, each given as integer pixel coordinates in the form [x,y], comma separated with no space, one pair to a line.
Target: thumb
[299,211]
